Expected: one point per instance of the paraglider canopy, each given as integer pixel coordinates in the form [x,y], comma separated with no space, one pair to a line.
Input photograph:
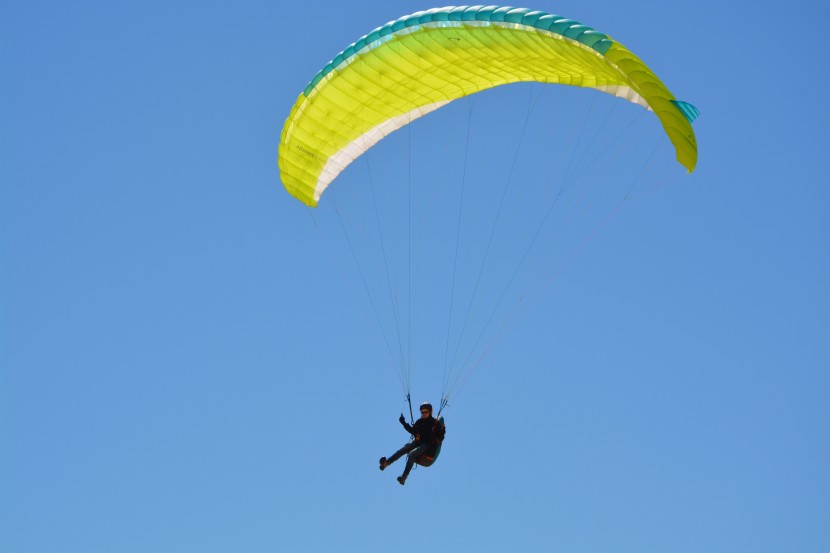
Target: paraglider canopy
[421,62]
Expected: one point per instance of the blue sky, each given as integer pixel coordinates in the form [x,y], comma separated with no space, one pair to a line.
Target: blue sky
[189,361]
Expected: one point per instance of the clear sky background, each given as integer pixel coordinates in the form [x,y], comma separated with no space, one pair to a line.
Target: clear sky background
[189,361]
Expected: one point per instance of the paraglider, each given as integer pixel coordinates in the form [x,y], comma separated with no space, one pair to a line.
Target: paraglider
[422,62]
[427,436]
